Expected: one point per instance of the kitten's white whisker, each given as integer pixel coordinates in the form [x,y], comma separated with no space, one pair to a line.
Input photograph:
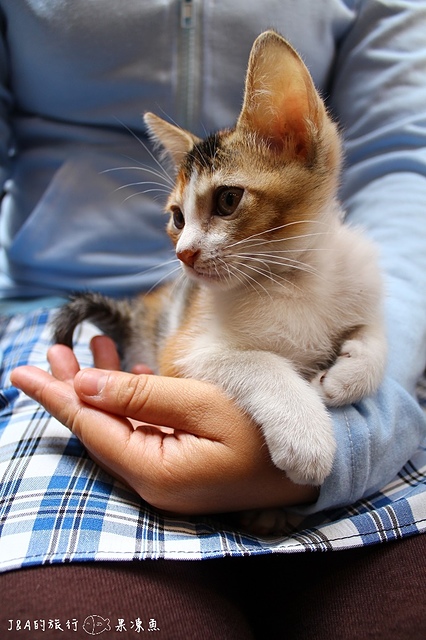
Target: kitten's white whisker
[160,265]
[178,282]
[141,193]
[218,273]
[272,258]
[234,273]
[278,251]
[266,273]
[285,262]
[156,284]
[227,275]
[145,169]
[251,278]
[147,149]
[282,226]
[141,183]
[259,243]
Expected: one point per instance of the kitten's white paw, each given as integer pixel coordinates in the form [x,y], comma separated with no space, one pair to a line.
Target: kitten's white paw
[263,522]
[350,378]
[295,423]
[304,448]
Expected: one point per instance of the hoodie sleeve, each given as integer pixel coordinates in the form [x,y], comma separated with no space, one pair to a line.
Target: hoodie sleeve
[379,98]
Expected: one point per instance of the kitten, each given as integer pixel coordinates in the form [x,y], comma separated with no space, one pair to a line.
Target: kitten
[280,303]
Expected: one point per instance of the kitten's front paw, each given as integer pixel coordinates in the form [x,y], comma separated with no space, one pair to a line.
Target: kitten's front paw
[328,387]
[263,522]
[304,448]
[353,376]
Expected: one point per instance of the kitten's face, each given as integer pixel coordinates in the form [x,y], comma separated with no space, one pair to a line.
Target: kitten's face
[250,202]
[240,212]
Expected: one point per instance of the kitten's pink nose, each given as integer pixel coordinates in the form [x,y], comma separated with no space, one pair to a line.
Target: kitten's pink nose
[188,256]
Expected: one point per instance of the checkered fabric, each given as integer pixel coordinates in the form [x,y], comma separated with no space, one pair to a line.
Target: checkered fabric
[56,505]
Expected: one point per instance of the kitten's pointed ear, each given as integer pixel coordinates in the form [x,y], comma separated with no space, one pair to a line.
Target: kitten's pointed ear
[176,142]
[281,104]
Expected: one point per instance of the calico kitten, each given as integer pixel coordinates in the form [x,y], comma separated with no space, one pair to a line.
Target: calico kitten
[280,302]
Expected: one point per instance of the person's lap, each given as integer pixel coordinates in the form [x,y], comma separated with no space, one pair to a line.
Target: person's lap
[375,592]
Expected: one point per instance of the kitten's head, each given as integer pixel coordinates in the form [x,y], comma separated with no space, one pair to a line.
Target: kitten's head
[249,202]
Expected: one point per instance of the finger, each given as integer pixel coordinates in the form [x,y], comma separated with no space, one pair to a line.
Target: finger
[61,401]
[139,369]
[173,402]
[106,356]
[63,362]
[105,353]
[56,395]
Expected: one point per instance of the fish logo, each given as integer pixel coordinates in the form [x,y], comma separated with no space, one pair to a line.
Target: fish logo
[95,625]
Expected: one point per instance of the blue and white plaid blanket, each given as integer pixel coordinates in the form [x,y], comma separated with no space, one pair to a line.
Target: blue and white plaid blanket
[56,505]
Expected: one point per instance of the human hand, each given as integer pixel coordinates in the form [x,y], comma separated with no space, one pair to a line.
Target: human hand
[192,451]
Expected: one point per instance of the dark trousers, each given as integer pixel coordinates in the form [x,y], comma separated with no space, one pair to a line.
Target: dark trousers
[368,593]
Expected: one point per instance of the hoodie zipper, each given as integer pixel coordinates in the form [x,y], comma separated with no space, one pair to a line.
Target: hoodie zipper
[189,63]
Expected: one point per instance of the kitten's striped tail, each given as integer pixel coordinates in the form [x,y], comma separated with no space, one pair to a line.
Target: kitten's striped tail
[112,317]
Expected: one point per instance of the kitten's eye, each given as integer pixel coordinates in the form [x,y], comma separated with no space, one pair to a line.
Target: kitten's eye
[227,200]
[178,219]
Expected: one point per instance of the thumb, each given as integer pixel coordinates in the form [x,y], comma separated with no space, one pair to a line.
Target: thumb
[178,403]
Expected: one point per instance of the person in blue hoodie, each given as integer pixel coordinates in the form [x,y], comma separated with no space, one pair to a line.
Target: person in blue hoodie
[75,78]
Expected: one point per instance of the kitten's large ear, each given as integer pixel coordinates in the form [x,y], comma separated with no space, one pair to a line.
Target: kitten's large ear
[281,104]
[176,142]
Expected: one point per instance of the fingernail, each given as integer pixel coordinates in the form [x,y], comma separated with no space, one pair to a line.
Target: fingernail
[92,381]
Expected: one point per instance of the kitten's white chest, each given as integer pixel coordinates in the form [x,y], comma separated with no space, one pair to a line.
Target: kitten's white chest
[287,327]
[279,325]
